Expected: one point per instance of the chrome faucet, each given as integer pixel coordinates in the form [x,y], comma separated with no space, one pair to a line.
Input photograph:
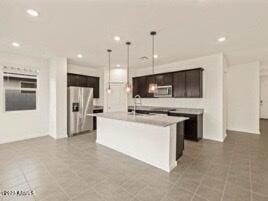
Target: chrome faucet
[135,103]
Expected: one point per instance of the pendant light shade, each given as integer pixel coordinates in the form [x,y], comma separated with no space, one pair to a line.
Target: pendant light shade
[109,90]
[128,86]
[153,85]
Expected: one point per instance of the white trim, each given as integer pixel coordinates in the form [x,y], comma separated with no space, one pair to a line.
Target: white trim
[16,138]
[255,132]
[214,139]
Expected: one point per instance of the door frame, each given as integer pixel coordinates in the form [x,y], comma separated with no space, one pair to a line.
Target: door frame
[106,100]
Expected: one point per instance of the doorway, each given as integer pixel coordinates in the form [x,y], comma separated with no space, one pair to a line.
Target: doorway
[117,99]
[264,97]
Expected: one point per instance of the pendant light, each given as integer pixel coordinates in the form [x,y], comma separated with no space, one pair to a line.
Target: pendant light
[153,85]
[128,86]
[109,64]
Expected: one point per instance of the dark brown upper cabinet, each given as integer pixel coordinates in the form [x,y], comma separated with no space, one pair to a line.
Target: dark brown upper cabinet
[193,85]
[179,89]
[185,84]
[163,79]
[188,84]
[150,79]
[140,86]
[84,81]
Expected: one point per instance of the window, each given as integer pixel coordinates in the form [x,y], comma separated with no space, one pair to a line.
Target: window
[20,91]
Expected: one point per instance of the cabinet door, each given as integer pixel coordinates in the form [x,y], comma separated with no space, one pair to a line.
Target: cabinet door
[73,80]
[140,86]
[70,80]
[93,82]
[83,81]
[179,90]
[194,84]
[149,79]
[190,126]
[135,85]
[164,79]
[143,87]
[96,86]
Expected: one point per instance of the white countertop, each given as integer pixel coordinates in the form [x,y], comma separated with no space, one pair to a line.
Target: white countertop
[161,120]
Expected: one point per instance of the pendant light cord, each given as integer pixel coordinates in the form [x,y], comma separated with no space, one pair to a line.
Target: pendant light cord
[128,64]
[153,53]
[109,69]
[128,44]
[109,62]
[153,33]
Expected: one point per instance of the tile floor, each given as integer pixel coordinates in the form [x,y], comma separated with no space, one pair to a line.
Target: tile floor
[79,170]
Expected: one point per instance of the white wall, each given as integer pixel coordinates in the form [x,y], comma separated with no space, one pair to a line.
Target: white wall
[264,96]
[225,96]
[58,97]
[90,71]
[25,124]
[212,101]
[244,97]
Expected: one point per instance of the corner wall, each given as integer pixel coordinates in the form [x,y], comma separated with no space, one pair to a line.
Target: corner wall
[58,97]
[244,97]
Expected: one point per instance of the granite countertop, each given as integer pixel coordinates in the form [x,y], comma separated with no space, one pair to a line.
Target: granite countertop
[196,111]
[188,111]
[152,119]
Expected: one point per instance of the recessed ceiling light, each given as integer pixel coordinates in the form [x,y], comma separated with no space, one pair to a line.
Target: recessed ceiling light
[79,56]
[221,39]
[117,38]
[155,56]
[15,44]
[32,12]
[118,65]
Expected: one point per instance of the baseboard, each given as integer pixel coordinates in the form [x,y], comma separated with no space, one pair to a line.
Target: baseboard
[58,137]
[173,165]
[214,139]
[256,132]
[16,138]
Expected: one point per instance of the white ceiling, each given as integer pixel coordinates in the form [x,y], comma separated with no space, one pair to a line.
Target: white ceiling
[186,29]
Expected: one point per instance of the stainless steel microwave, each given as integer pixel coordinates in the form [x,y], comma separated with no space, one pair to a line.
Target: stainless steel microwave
[163,91]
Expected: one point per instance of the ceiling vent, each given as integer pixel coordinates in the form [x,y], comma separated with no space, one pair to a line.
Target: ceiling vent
[144,58]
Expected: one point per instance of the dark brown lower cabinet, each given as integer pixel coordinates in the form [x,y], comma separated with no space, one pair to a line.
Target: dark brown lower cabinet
[95,118]
[179,140]
[193,127]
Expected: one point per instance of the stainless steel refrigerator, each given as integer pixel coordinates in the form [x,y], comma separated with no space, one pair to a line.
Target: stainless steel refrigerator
[80,103]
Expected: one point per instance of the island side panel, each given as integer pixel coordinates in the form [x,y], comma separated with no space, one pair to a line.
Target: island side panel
[173,146]
[148,143]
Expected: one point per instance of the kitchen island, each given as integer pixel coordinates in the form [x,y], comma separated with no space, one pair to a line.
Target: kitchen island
[153,139]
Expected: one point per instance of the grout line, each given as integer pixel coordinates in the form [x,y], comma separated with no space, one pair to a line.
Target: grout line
[173,185]
[227,176]
[250,179]
[196,190]
[27,182]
